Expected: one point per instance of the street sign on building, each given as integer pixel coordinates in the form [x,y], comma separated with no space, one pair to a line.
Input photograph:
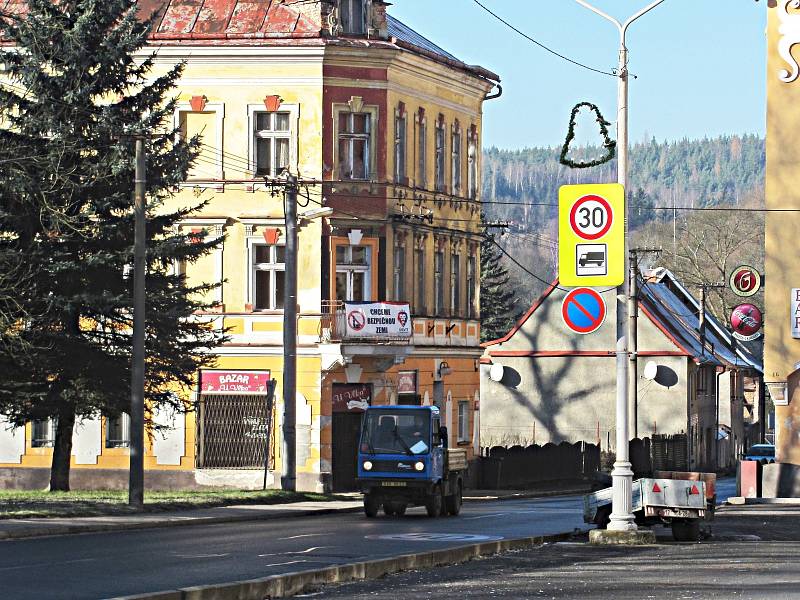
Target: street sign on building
[745,281]
[377,319]
[591,235]
[583,310]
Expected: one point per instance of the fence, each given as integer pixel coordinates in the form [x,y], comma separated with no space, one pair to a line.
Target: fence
[520,467]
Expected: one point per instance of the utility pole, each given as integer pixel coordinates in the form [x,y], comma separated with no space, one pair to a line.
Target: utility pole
[622,518]
[136,468]
[633,336]
[289,478]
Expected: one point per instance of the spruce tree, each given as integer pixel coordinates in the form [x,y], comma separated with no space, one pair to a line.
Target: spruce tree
[499,309]
[70,95]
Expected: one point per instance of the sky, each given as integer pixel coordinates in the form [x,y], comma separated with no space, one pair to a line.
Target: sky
[699,64]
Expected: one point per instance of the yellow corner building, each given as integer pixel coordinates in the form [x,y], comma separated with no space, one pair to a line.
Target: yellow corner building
[385,128]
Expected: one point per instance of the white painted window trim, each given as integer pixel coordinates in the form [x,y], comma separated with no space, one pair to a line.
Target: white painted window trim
[250,291]
[463,426]
[294,128]
[218,108]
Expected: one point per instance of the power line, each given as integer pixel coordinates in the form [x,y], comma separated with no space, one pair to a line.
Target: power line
[538,43]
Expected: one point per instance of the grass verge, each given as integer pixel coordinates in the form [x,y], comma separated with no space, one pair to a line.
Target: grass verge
[21,504]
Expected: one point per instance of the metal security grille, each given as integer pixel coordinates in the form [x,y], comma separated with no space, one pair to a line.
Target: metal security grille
[233,431]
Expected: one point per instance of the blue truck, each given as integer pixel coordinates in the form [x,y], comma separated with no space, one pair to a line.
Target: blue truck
[404,460]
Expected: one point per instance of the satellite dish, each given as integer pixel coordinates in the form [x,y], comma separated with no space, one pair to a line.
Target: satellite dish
[650,370]
[496,372]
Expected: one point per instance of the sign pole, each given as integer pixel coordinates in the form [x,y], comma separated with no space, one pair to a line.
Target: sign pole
[288,456]
[622,518]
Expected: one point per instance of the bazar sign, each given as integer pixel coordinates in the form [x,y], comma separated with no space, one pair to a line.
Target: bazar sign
[234,382]
[377,319]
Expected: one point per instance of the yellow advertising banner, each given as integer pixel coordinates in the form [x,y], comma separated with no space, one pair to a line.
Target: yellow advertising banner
[591,235]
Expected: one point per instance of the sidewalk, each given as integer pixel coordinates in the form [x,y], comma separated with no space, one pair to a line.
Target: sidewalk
[38,527]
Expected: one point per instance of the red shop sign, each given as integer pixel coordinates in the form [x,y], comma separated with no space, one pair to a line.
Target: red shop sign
[234,382]
[351,397]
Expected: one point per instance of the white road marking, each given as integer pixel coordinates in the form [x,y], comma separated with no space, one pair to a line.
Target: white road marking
[48,564]
[435,537]
[294,537]
[202,555]
[306,551]
[291,562]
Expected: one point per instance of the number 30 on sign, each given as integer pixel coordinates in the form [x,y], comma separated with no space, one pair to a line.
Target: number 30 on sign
[591,235]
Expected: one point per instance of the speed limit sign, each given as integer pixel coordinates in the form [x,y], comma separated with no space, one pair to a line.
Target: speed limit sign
[591,235]
[591,217]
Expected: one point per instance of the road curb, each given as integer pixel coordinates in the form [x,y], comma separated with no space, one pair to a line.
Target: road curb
[528,495]
[289,584]
[53,530]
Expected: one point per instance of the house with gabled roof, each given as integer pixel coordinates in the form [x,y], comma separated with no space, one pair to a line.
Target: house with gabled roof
[542,383]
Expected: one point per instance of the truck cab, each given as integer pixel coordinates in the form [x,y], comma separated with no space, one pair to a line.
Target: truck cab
[403,460]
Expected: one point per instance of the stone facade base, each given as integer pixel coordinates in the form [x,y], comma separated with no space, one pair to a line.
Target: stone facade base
[605,537]
[28,478]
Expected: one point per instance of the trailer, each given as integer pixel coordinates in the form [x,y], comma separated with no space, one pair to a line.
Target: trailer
[681,500]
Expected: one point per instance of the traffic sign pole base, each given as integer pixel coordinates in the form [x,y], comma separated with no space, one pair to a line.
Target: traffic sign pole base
[607,537]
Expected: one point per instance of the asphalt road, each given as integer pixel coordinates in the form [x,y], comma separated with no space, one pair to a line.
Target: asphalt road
[751,555]
[122,563]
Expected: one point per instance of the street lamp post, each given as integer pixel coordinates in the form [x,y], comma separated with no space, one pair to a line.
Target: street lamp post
[622,476]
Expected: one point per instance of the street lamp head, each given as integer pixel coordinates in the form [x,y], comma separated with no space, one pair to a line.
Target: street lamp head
[316,213]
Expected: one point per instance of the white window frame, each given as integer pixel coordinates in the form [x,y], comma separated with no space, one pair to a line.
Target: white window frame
[422,153]
[49,427]
[349,269]
[252,243]
[455,285]
[400,147]
[368,139]
[456,143]
[463,421]
[440,171]
[438,283]
[218,108]
[472,262]
[345,16]
[294,128]
[125,437]
[472,166]
[214,227]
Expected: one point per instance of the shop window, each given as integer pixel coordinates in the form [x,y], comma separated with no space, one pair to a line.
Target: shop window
[354,273]
[272,142]
[43,433]
[118,431]
[355,131]
[463,421]
[267,276]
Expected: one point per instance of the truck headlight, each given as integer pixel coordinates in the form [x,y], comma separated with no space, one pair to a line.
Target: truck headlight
[419,465]
[367,465]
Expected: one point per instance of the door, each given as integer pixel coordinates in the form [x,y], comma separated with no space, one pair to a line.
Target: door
[346,430]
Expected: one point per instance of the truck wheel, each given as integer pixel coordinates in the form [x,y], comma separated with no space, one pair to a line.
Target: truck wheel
[400,509]
[453,501]
[603,517]
[388,509]
[686,531]
[433,503]
[371,506]
[394,508]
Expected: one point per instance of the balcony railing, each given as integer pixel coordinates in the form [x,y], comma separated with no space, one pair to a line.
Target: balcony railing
[334,324]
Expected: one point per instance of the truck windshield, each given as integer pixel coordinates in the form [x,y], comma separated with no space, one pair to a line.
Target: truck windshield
[396,432]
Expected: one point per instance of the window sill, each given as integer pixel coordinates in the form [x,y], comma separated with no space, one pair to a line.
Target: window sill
[464,442]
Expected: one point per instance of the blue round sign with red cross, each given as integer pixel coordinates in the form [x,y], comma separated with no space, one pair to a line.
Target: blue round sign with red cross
[583,310]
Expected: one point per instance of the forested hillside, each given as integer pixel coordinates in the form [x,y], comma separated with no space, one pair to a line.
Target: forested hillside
[521,186]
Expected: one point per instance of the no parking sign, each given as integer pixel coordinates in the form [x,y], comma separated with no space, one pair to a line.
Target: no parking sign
[583,310]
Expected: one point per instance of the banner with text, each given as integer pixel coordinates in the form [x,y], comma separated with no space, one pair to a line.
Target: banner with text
[378,319]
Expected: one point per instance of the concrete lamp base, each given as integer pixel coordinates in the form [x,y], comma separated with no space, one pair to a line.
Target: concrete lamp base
[606,537]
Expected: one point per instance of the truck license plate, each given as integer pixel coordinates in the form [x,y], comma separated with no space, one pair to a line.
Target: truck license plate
[393,484]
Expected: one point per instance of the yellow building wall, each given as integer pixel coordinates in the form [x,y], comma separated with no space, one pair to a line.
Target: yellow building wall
[781,351]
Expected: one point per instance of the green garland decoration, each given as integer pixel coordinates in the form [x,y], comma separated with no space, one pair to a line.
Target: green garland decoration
[608,143]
